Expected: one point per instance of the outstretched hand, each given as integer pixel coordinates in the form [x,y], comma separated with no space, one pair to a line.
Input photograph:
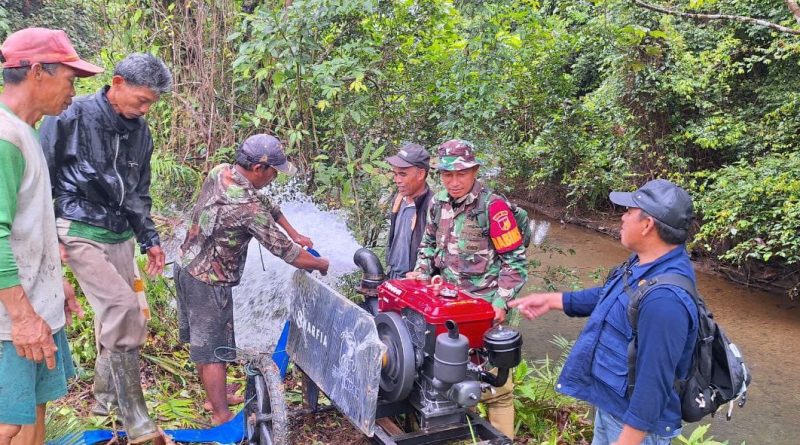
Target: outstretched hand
[322,265]
[536,305]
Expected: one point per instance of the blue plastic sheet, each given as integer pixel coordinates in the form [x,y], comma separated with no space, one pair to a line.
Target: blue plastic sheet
[231,432]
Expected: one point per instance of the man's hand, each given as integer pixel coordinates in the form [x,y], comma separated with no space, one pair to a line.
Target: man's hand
[33,339]
[155,261]
[62,251]
[71,305]
[536,305]
[499,315]
[30,334]
[323,266]
[303,240]
[630,436]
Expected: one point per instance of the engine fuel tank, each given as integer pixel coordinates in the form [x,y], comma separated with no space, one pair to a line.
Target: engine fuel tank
[437,303]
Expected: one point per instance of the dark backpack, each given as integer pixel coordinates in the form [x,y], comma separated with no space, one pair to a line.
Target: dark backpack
[481,212]
[717,375]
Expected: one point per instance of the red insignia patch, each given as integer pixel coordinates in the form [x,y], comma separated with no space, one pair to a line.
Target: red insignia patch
[503,228]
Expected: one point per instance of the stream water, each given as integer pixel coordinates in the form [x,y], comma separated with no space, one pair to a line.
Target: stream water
[758,322]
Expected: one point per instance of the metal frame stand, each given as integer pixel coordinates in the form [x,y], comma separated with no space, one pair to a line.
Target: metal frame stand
[480,428]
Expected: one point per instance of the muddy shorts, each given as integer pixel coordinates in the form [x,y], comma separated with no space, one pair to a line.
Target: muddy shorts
[205,318]
[25,384]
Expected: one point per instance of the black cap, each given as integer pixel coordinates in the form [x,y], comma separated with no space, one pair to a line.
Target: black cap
[411,155]
[662,200]
[264,149]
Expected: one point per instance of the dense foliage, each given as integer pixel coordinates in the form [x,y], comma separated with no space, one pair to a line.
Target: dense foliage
[584,95]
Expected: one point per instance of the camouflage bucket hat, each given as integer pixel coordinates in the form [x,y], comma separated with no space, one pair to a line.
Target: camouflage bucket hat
[457,154]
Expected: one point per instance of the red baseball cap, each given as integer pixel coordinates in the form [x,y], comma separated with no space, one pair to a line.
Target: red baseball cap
[41,45]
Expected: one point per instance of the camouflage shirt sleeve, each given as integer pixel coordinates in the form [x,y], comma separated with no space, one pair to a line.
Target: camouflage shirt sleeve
[270,207]
[427,248]
[512,276]
[264,228]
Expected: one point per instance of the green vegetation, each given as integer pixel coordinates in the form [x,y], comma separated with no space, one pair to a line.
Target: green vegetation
[545,415]
[580,97]
[583,96]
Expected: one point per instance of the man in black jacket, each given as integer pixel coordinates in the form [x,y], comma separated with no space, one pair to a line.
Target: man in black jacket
[98,152]
[409,208]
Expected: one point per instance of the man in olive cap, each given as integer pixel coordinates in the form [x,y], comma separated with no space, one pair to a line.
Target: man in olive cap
[488,262]
[645,408]
[409,212]
[228,213]
[39,70]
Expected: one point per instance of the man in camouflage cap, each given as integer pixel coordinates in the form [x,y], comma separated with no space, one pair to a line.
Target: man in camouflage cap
[226,216]
[488,262]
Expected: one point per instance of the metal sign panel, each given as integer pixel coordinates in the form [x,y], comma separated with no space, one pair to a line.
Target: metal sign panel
[336,343]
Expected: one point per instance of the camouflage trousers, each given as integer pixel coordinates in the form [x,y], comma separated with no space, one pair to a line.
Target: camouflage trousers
[501,407]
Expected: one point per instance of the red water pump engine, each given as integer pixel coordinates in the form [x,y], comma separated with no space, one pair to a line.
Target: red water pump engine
[440,345]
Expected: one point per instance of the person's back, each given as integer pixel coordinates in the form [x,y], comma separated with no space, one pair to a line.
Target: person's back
[227,215]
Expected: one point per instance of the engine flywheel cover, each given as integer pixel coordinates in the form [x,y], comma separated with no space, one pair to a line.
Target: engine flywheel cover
[398,371]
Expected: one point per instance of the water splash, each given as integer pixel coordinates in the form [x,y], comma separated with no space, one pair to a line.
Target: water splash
[539,230]
[261,299]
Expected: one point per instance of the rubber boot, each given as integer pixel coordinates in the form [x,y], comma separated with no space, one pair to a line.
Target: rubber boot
[132,408]
[105,395]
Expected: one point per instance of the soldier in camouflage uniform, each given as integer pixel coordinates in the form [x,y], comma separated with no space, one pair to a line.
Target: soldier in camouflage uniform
[226,216]
[488,262]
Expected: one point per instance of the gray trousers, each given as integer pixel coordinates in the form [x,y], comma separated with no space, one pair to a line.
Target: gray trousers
[105,273]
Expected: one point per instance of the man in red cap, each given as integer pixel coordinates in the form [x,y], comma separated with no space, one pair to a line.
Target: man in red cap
[39,69]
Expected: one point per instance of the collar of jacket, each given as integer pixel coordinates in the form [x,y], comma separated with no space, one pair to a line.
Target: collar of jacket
[644,269]
[115,121]
[240,180]
[419,200]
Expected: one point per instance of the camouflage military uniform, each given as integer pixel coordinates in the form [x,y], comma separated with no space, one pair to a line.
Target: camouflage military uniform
[227,215]
[458,248]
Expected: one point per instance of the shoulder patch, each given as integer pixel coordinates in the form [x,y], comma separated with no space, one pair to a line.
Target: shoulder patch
[503,228]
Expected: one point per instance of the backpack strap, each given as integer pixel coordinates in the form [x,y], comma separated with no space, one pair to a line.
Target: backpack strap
[481,211]
[635,298]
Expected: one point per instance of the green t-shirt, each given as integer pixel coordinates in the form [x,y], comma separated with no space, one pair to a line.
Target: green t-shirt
[99,234]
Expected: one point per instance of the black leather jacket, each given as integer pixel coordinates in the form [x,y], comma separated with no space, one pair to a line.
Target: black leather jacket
[99,167]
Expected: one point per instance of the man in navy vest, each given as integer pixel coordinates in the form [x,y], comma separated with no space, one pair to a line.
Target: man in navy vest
[655,228]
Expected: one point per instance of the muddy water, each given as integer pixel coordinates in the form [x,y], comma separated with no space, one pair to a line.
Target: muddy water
[766,331]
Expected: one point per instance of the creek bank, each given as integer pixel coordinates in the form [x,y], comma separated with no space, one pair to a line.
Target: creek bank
[547,202]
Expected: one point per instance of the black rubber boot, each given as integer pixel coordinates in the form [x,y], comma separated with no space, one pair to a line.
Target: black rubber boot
[133,410]
[105,395]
